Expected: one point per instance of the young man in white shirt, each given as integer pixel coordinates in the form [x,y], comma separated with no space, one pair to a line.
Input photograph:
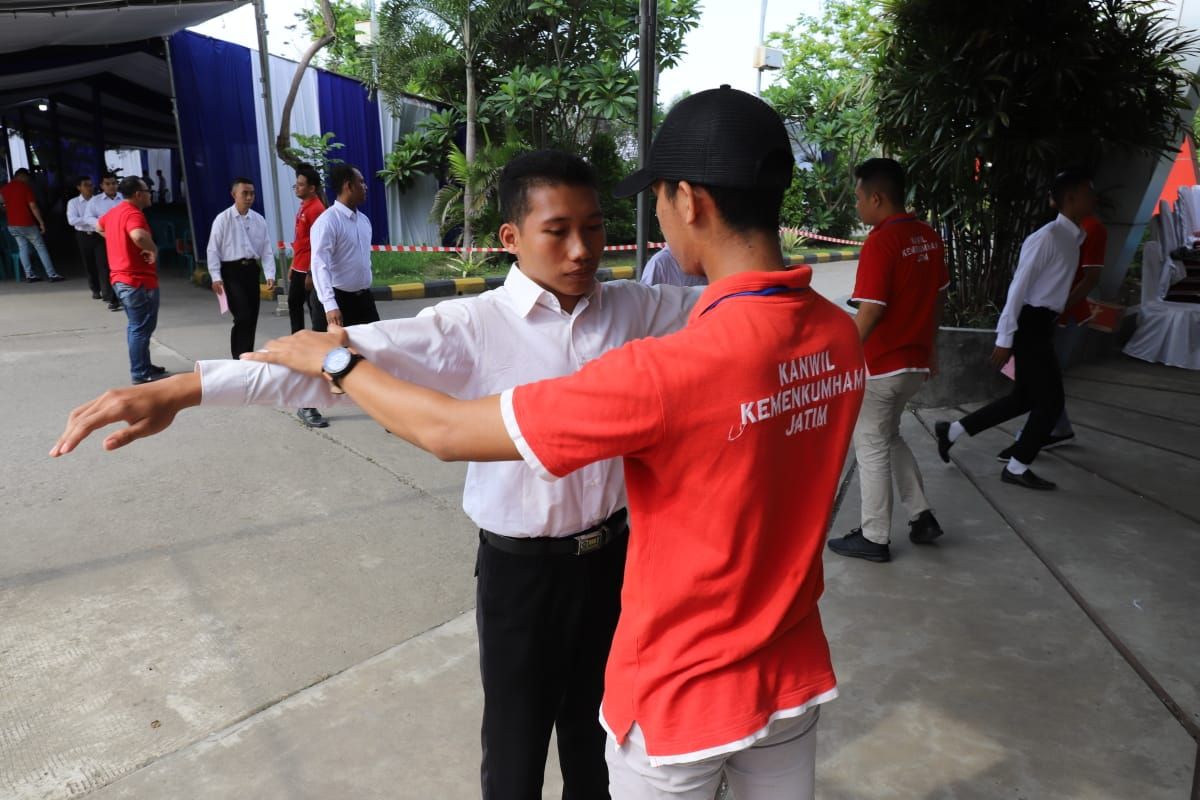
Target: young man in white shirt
[86,239]
[99,205]
[663,268]
[239,250]
[1037,295]
[341,252]
[551,555]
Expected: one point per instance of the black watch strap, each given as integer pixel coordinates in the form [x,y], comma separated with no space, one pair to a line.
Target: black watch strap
[336,380]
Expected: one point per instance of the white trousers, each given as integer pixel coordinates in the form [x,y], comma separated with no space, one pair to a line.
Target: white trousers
[882,455]
[781,766]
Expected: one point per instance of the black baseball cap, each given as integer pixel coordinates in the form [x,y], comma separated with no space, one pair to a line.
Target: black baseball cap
[720,137]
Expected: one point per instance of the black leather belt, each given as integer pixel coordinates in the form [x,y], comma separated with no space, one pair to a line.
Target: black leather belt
[240,262]
[579,544]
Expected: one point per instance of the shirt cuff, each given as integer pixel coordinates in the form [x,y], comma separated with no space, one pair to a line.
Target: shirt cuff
[509,415]
[214,272]
[223,383]
[1004,339]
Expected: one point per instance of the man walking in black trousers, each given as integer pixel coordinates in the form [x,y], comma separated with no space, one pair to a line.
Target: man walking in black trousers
[239,250]
[1025,331]
[87,240]
[341,252]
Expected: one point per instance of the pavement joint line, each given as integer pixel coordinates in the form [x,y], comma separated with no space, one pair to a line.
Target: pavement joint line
[1143,412]
[1189,726]
[239,723]
[1107,432]
[52,333]
[172,351]
[400,478]
[1133,385]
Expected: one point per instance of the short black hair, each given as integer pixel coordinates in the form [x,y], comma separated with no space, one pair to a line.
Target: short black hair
[130,185]
[238,180]
[539,168]
[340,175]
[1070,178]
[883,175]
[310,174]
[108,176]
[744,210]
[82,178]
[20,172]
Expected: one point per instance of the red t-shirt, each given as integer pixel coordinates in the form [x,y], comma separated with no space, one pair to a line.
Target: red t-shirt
[734,432]
[125,262]
[17,197]
[310,209]
[902,267]
[1091,255]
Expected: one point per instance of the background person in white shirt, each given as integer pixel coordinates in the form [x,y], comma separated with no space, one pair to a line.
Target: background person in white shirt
[663,268]
[239,249]
[341,252]
[1036,297]
[545,613]
[86,238]
[100,204]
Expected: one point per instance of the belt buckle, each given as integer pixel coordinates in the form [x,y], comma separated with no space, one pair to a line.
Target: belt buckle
[589,542]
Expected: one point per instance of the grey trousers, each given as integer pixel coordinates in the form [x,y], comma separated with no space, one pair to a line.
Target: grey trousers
[883,456]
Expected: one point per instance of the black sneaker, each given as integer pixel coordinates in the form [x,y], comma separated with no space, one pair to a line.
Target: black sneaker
[115,306]
[855,545]
[1028,480]
[942,431]
[312,418]
[33,279]
[150,379]
[155,369]
[924,529]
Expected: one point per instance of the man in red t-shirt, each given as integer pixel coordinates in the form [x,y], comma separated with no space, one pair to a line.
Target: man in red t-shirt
[300,286]
[733,432]
[899,292]
[26,225]
[131,267]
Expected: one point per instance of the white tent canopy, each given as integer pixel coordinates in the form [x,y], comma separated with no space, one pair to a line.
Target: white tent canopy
[25,25]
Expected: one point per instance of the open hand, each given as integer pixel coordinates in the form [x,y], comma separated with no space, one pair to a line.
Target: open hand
[148,409]
[302,352]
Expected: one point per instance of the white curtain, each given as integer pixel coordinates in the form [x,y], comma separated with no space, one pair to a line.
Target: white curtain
[16,144]
[408,213]
[124,162]
[305,120]
[159,159]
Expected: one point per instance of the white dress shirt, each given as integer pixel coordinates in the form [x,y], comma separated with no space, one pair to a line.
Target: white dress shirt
[77,216]
[341,252]
[236,236]
[99,205]
[1044,274]
[478,346]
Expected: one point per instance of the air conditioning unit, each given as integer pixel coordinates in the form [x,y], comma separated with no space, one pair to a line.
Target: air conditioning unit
[768,57]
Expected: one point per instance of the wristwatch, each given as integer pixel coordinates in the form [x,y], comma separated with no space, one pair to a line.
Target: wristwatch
[337,365]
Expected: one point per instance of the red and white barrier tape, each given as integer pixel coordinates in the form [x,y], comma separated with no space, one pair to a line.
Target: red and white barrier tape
[823,238]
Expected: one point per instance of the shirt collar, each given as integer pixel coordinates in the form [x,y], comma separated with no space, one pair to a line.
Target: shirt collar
[526,293]
[345,210]
[796,277]
[893,218]
[1075,230]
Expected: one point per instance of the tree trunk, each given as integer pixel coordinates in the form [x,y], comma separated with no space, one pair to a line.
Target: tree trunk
[468,189]
[284,140]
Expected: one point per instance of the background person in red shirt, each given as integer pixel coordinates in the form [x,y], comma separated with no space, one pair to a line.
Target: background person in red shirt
[733,432]
[131,267]
[26,225]
[300,286]
[899,291]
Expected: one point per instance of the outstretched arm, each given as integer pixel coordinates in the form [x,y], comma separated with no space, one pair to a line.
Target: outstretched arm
[148,409]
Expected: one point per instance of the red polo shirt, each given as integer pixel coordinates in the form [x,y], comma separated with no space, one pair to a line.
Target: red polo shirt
[902,267]
[1091,256]
[17,197]
[125,262]
[310,209]
[733,432]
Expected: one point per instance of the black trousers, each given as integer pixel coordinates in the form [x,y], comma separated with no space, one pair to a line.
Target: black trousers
[89,245]
[1038,387]
[106,290]
[300,297]
[358,308]
[545,627]
[241,290]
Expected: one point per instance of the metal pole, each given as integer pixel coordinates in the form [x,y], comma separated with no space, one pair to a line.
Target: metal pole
[264,58]
[98,133]
[647,36]
[762,35]
[182,156]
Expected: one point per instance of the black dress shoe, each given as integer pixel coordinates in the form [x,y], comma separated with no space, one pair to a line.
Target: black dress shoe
[942,431]
[95,295]
[155,369]
[33,279]
[115,306]
[855,545]
[924,529]
[312,418]
[1028,480]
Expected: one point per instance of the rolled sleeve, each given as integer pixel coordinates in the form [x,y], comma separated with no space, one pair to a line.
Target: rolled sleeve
[519,441]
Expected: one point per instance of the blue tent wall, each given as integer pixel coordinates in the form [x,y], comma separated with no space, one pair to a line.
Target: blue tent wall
[215,98]
[348,111]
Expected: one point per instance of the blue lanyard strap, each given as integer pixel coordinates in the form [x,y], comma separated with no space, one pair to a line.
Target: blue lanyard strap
[770,290]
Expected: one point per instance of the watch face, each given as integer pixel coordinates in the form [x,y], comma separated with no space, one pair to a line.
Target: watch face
[336,360]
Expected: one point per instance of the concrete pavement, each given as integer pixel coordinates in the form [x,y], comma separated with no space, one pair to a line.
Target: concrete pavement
[191,618]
